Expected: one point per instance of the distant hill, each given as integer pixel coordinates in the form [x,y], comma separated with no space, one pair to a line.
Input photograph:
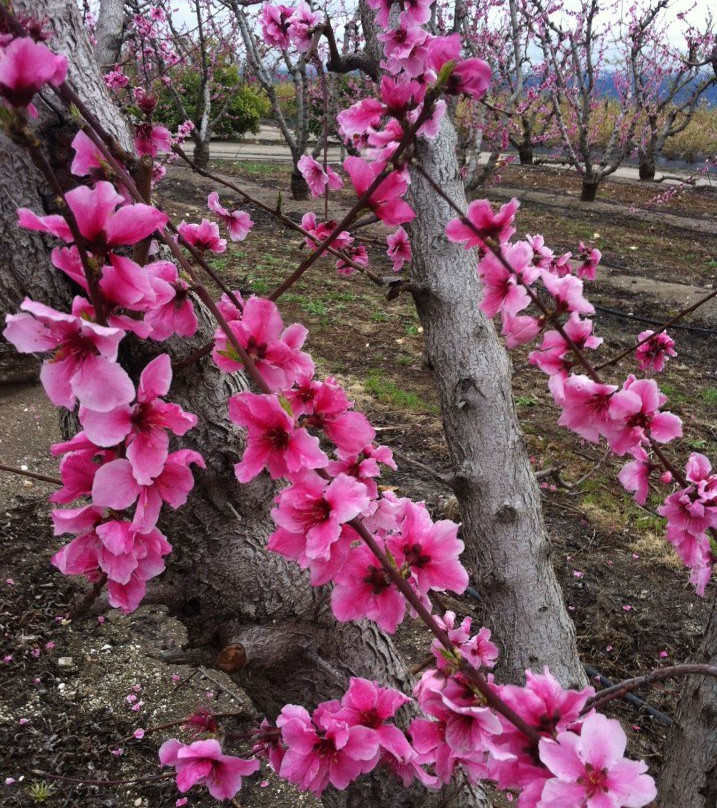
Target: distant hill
[607,87]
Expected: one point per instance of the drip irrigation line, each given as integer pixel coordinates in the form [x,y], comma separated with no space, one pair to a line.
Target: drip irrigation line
[630,698]
[594,673]
[706,332]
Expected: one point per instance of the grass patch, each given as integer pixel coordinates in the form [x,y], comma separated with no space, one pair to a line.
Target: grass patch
[709,396]
[388,392]
[673,394]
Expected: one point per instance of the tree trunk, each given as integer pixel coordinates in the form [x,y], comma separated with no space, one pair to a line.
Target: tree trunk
[689,774]
[299,187]
[647,167]
[109,33]
[589,188]
[221,582]
[507,548]
[525,154]
[201,153]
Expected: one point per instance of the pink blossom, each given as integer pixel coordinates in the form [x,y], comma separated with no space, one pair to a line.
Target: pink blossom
[303,24]
[324,749]
[586,407]
[551,356]
[635,475]
[363,466]
[567,293]
[173,312]
[505,288]
[468,76]
[152,139]
[385,201]
[363,589]
[143,425]
[430,551]
[81,461]
[477,649]
[321,231]
[366,704]
[326,406]
[88,160]
[275,23]
[274,349]
[400,41]
[114,486]
[590,770]
[274,440]
[317,508]
[316,177]
[550,709]
[542,255]
[99,219]
[204,236]
[82,363]
[25,67]
[357,254]
[203,762]
[115,79]
[656,352]
[635,416]
[399,249]
[589,259]
[357,119]
[517,329]
[486,225]
[238,222]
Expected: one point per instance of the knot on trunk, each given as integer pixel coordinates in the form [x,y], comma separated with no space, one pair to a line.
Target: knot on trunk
[506,513]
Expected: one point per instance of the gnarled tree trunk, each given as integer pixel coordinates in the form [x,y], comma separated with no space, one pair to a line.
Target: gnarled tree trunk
[689,774]
[221,582]
[507,548]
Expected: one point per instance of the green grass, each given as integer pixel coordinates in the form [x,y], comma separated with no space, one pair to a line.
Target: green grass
[379,316]
[316,307]
[388,392]
[709,395]
[673,394]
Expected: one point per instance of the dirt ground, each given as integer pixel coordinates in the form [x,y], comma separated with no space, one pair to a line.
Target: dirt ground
[73,692]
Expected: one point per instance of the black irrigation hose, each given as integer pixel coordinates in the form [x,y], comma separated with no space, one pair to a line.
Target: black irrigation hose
[707,332]
[594,673]
[631,698]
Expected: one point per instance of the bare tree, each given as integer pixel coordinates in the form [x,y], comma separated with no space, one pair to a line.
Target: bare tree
[296,134]
[574,52]
[667,82]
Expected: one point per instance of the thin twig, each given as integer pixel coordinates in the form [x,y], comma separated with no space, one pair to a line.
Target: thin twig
[33,475]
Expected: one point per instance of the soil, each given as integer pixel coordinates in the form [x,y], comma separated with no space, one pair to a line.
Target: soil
[68,686]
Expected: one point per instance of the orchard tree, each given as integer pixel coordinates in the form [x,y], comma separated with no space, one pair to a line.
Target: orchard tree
[383,555]
[667,81]
[575,49]
[517,110]
[197,69]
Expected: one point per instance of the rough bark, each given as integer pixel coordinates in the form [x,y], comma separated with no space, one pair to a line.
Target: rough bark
[525,154]
[588,191]
[221,582]
[24,256]
[507,548]
[689,774]
[647,171]
[109,32]
[201,153]
[298,185]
